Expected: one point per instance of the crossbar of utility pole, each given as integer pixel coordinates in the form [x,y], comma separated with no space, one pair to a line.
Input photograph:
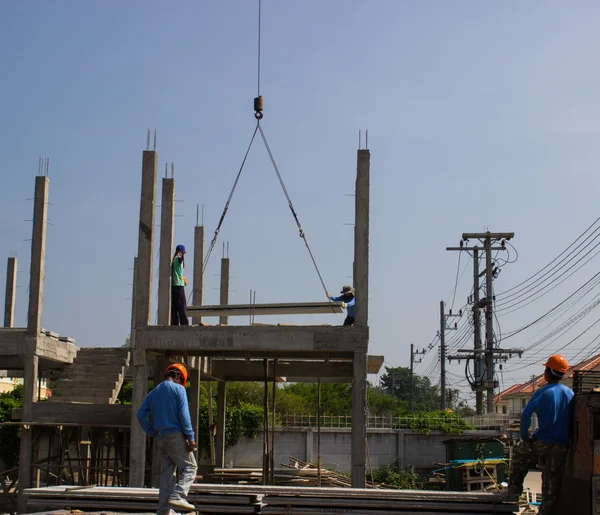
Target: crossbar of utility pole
[473,248]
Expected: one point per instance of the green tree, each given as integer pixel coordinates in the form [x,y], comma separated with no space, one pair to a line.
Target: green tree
[10,435]
[127,342]
[396,382]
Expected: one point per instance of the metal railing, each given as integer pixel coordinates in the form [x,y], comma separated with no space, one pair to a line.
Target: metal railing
[416,422]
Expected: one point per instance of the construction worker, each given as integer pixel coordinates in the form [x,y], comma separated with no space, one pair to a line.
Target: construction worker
[548,446]
[178,300]
[347,299]
[171,425]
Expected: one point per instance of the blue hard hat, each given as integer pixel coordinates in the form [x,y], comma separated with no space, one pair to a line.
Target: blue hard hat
[180,248]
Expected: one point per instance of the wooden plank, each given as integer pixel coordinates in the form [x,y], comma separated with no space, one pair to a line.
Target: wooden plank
[289,308]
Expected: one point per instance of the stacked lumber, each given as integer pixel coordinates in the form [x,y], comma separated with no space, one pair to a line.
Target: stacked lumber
[121,499]
[295,473]
[275,500]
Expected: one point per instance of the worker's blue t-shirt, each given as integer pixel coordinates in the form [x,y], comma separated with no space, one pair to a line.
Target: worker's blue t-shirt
[350,307]
[552,404]
[168,405]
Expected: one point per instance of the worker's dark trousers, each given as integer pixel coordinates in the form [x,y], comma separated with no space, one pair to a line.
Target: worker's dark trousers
[349,320]
[551,458]
[178,306]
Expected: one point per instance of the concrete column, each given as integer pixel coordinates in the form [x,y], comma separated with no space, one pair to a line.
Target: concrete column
[194,393]
[224,287]
[198,296]
[310,448]
[167,218]
[141,315]
[30,384]
[400,448]
[38,250]
[361,239]
[359,418]
[220,439]
[11,289]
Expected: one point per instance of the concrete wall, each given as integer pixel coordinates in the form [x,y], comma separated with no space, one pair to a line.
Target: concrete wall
[385,445]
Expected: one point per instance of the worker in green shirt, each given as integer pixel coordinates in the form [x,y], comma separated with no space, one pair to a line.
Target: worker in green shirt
[178,300]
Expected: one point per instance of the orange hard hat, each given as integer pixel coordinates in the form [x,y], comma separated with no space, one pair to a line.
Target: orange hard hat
[178,367]
[558,363]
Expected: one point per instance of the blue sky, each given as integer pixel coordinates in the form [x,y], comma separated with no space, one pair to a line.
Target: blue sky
[480,115]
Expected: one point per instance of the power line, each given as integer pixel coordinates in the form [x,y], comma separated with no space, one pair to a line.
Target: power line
[550,263]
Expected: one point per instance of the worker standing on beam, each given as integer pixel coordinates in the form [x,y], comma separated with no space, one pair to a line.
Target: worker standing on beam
[171,425]
[178,300]
[549,445]
[347,298]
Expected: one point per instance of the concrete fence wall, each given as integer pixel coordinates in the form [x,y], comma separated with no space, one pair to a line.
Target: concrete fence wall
[384,446]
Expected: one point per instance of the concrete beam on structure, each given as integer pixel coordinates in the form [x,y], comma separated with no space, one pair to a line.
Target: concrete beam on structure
[277,341]
[167,219]
[288,308]
[38,251]
[242,370]
[96,415]
[11,289]
[18,341]
[374,364]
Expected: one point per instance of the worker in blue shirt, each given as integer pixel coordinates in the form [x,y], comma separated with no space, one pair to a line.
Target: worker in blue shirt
[347,298]
[549,445]
[171,425]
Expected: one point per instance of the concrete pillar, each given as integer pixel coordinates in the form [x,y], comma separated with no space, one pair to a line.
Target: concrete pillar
[310,448]
[400,448]
[38,250]
[30,382]
[220,438]
[167,218]
[141,316]
[194,393]
[361,239]
[198,296]
[224,300]
[359,418]
[11,289]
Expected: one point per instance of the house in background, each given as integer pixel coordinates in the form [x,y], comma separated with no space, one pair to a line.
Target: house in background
[515,398]
[8,384]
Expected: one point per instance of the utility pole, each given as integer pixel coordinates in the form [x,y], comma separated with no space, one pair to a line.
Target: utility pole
[412,380]
[489,324]
[443,327]
[477,333]
[484,360]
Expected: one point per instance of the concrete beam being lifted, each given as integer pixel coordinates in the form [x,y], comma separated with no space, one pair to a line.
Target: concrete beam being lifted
[289,308]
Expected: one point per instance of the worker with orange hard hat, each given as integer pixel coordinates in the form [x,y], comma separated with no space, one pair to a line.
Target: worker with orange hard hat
[549,444]
[171,425]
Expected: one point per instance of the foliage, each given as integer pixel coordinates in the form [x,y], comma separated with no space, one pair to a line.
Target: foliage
[127,342]
[242,420]
[403,478]
[126,392]
[396,382]
[380,403]
[445,421]
[336,398]
[9,435]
